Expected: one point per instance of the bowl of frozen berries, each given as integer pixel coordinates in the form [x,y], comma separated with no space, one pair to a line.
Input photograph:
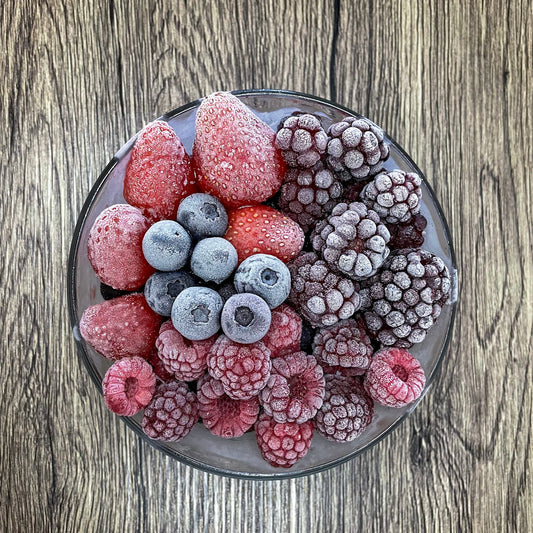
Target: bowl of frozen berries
[262,284]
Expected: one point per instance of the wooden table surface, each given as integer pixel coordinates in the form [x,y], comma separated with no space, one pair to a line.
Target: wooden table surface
[451,81]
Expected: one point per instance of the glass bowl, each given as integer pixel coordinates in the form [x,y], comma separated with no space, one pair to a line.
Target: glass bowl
[240,457]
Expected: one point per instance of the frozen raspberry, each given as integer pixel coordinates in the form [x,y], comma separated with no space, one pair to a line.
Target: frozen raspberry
[234,154]
[160,371]
[159,173]
[243,369]
[352,240]
[395,378]
[261,229]
[222,415]
[394,196]
[122,327]
[128,386]
[406,297]
[295,389]
[356,149]
[302,140]
[282,444]
[408,234]
[185,359]
[345,344]
[308,195]
[347,410]
[172,413]
[114,247]
[285,331]
[318,294]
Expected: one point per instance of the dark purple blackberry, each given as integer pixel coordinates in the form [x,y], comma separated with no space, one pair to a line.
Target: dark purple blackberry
[345,344]
[394,196]
[347,409]
[318,294]
[308,195]
[352,190]
[352,240]
[406,297]
[302,140]
[408,234]
[356,148]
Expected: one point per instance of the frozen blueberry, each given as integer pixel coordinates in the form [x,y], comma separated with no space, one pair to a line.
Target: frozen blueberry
[226,290]
[162,288]
[166,245]
[214,259]
[203,215]
[245,318]
[266,276]
[196,313]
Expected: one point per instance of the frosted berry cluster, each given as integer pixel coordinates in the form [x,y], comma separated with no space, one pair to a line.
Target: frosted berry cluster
[222,310]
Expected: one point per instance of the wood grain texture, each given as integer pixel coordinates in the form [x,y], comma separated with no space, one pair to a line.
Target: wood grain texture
[451,81]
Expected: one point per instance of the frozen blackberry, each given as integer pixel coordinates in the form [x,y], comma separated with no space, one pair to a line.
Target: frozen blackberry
[318,294]
[394,196]
[408,234]
[295,389]
[308,195]
[172,413]
[352,240]
[302,140]
[345,344]
[347,410]
[406,297]
[356,148]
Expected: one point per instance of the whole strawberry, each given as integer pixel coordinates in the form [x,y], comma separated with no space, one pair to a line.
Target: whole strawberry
[260,229]
[234,154]
[159,174]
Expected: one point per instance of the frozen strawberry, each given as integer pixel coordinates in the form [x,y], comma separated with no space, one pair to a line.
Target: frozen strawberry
[159,174]
[114,247]
[263,230]
[234,153]
[122,327]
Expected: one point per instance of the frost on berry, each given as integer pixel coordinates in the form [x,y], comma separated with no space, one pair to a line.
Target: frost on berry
[295,389]
[395,378]
[222,415]
[172,413]
[128,385]
[347,409]
[283,444]
[285,331]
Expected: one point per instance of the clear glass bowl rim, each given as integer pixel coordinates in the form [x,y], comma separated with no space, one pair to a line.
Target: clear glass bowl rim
[74,319]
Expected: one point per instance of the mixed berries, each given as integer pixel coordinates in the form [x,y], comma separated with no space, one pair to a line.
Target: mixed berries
[242,316]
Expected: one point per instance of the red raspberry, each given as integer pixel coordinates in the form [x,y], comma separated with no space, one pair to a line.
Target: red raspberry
[347,409]
[263,230]
[242,368]
[172,413]
[114,247]
[159,174]
[395,378]
[128,386]
[159,368]
[295,390]
[234,154]
[222,415]
[344,344]
[185,359]
[285,331]
[122,327]
[282,444]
